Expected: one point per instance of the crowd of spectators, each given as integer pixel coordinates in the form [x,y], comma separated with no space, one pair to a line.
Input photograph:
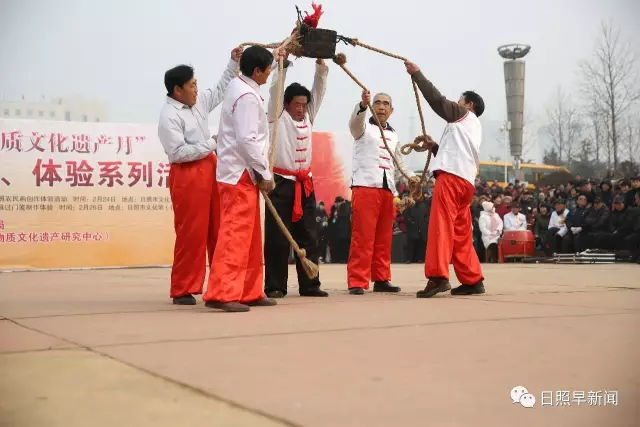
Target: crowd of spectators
[567,218]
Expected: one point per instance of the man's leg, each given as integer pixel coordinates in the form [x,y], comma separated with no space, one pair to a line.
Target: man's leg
[444,209]
[465,259]
[441,228]
[252,293]
[276,246]
[305,233]
[381,260]
[230,260]
[214,214]
[365,204]
[190,186]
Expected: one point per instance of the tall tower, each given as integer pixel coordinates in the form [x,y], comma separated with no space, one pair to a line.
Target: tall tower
[514,84]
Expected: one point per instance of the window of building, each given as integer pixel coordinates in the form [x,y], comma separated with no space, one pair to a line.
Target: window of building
[6,112]
[97,119]
[67,116]
[85,118]
[52,114]
[18,112]
[40,113]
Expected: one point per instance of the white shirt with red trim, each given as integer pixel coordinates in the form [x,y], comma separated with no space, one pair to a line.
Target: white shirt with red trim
[371,160]
[293,145]
[243,137]
[459,148]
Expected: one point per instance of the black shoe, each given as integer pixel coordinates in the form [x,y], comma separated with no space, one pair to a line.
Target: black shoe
[232,307]
[262,302]
[275,294]
[476,289]
[434,286]
[185,300]
[315,292]
[385,287]
[356,291]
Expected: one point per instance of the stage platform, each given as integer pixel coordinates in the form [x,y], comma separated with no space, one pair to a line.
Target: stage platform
[107,348]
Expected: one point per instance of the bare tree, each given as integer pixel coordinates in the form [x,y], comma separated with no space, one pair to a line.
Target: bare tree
[632,140]
[610,81]
[564,127]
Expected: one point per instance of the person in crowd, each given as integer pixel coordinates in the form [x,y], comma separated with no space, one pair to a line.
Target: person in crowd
[596,221]
[514,220]
[541,226]
[491,227]
[573,241]
[557,227]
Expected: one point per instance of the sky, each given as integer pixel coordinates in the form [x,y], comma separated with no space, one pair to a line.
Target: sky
[117,51]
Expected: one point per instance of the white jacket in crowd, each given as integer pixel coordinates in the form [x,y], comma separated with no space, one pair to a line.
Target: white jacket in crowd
[490,224]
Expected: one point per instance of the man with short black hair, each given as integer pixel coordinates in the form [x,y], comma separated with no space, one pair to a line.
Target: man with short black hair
[293,196]
[455,167]
[243,170]
[183,130]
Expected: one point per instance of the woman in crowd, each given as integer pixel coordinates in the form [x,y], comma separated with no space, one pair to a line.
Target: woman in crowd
[491,228]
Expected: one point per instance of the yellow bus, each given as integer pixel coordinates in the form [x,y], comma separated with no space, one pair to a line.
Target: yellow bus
[494,172]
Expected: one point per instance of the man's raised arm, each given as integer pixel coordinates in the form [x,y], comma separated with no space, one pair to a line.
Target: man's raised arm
[213,96]
[276,105]
[450,111]
[357,124]
[319,88]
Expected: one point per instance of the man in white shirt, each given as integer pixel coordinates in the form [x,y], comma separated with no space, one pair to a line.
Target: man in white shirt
[243,169]
[455,166]
[514,220]
[183,130]
[293,197]
[373,184]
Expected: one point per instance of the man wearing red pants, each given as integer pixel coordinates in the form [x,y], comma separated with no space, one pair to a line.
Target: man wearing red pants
[236,277]
[455,167]
[183,130]
[373,189]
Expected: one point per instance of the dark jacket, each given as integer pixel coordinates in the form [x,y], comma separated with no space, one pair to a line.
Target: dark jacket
[541,224]
[621,221]
[576,216]
[597,219]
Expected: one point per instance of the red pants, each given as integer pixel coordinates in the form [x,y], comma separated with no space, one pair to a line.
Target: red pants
[450,231]
[196,209]
[236,270]
[371,234]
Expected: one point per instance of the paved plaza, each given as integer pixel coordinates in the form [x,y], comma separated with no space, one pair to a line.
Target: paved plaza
[107,348]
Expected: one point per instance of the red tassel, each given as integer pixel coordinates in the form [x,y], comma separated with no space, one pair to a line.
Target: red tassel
[312,20]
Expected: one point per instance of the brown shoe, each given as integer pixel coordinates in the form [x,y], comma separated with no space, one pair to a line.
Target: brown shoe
[232,307]
[434,286]
[262,302]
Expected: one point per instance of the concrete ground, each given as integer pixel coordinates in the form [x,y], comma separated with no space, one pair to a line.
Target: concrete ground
[106,348]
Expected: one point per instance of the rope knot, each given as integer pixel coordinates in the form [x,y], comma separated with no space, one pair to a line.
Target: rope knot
[340,59]
[420,144]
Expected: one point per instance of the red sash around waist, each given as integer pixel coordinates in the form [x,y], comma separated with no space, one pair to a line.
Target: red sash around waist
[302,180]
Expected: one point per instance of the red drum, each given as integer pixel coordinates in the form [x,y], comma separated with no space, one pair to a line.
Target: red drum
[517,244]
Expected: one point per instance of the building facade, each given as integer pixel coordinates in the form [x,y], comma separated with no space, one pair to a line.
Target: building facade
[58,109]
